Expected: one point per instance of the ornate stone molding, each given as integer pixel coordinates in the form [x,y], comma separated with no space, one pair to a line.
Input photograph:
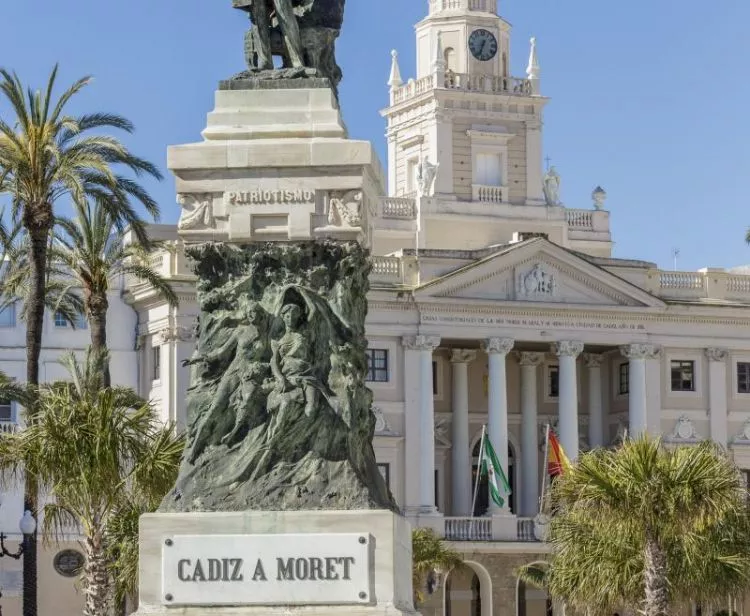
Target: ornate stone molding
[538,282]
[526,358]
[684,431]
[567,348]
[175,334]
[463,356]
[716,354]
[640,351]
[743,436]
[197,212]
[382,427]
[499,346]
[420,343]
[592,360]
[345,209]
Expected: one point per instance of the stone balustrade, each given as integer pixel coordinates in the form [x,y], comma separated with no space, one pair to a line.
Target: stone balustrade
[412,89]
[580,220]
[400,208]
[387,269]
[483,6]
[468,529]
[682,281]
[465,82]
[489,194]
[526,529]
[8,427]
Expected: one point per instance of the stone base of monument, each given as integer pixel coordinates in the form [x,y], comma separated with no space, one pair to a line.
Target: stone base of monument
[253,563]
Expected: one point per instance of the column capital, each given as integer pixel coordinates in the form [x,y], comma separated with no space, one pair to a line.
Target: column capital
[567,348]
[592,360]
[716,354]
[463,356]
[498,346]
[526,358]
[640,351]
[420,343]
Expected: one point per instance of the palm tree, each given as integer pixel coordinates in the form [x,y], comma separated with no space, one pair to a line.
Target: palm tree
[430,557]
[646,527]
[45,156]
[95,449]
[95,253]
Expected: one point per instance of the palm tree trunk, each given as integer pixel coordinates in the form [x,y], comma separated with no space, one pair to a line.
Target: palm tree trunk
[98,324]
[38,222]
[96,576]
[657,592]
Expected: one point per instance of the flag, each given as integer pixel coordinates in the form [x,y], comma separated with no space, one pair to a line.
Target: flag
[557,461]
[490,466]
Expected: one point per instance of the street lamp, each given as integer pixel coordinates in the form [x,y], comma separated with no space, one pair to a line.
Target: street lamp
[27,526]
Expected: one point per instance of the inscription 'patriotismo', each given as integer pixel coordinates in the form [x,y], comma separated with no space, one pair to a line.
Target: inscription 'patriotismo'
[266,569]
[264,197]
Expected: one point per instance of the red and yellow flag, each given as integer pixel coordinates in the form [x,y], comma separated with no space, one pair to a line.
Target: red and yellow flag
[557,461]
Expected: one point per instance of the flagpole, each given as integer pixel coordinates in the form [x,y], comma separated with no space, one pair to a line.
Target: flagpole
[544,470]
[479,472]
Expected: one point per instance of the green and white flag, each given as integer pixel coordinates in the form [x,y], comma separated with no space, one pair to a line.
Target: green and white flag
[498,482]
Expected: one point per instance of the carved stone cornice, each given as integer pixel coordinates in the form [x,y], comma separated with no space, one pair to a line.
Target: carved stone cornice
[498,346]
[463,356]
[420,343]
[716,354]
[526,358]
[567,348]
[175,334]
[640,351]
[592,360]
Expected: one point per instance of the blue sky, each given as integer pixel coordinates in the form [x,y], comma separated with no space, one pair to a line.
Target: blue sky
[649,97]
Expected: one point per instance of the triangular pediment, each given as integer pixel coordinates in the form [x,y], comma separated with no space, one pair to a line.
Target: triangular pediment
[537,271]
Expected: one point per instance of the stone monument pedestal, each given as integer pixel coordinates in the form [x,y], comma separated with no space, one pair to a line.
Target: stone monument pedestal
[276,165]
[347,563]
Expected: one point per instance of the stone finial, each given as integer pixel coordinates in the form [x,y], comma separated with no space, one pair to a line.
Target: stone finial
[395,81]
[438,60]
[533,71]
[599,196]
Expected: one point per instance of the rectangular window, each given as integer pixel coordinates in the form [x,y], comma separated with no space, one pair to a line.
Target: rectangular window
[60,320]
[434,378]
[488,170]
[683,375]
[554,382]
[412,166]
[156,363]
[8,316]
[79,321]
[6,411]
[743,377]
[377,365]
[385,472]
[624,381]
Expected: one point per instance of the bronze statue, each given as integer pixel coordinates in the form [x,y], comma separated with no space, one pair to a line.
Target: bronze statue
[302,33]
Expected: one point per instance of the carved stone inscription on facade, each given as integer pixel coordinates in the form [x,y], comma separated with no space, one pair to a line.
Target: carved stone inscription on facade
[303,569]
[270,197]
[531,322]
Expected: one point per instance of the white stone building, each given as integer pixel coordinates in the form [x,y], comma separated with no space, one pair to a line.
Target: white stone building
[492,303]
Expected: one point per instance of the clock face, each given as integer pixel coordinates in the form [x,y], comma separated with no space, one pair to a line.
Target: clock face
[483,45]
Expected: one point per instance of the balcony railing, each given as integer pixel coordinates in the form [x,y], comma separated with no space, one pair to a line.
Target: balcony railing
[484,6]
[399,208]
[386,269]
[468,529]
[526,529]
[8,427]
[465,82]
[489,194]
[682,280]
[580,220]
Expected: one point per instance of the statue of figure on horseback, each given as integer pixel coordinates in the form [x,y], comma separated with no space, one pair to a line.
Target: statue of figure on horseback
[302,33]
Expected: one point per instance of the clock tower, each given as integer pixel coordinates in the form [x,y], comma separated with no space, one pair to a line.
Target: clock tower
[465,111]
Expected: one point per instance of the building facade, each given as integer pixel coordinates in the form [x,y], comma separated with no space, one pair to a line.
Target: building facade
[493,306]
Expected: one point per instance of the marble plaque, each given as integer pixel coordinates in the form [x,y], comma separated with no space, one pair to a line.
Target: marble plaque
[295,569]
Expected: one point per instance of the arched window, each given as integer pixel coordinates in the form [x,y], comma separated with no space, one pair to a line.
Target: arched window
[468,591]
[450,58]
[505,64]
[531,601]
[483,494]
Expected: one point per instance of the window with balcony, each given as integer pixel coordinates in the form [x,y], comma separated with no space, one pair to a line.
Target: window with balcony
[743,377]
[623,387]
[8,316]
[488,171]
[683,375]
[377,365]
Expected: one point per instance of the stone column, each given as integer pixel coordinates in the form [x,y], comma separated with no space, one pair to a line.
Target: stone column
[637,354]
[717,392]
[567,351]
[425,345]
[460,454]
[412,432]
[529,434]
[596,413]
[534,164]
[497,404]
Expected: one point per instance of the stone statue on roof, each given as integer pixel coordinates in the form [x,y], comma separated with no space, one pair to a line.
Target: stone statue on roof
[302,33]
